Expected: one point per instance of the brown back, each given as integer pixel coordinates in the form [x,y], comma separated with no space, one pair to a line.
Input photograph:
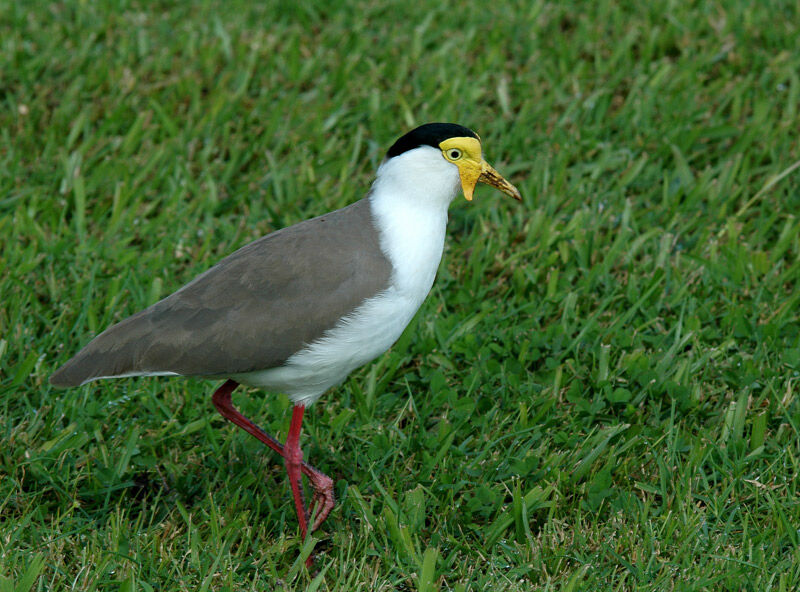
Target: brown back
[252,310]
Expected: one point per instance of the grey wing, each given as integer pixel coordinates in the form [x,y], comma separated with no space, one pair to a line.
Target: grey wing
[252,310]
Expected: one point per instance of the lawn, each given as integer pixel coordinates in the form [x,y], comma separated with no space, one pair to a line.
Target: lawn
[602,391]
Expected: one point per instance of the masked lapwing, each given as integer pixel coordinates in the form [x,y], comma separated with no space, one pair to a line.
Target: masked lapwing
[299,309]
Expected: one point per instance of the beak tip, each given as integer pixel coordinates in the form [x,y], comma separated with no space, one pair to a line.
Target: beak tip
[493,178]
[512,192]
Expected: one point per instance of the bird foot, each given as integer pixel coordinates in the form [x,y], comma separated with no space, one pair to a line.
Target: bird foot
[323,499]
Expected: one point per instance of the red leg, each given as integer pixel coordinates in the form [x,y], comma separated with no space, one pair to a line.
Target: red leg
[293,459]
[323,500]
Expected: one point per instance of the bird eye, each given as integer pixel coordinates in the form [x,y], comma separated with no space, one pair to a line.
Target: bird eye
[454,154]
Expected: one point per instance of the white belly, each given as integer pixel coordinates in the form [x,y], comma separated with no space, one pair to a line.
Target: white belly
[359,338]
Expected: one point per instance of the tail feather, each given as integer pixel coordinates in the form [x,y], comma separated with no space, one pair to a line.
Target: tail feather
[87,366]
[113,353]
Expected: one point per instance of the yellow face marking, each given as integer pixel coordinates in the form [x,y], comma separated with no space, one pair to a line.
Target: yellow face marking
[459,149]
[465,153]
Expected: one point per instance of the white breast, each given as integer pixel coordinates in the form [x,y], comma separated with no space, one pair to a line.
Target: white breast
[409,202]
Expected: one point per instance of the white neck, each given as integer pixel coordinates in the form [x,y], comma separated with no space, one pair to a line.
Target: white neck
[409,200]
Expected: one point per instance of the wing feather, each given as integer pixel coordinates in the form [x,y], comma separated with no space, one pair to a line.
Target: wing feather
[252,310]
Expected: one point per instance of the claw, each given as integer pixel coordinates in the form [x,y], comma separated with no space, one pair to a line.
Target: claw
[323,500]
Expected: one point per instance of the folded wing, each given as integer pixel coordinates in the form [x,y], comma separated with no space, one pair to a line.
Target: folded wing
[252,310]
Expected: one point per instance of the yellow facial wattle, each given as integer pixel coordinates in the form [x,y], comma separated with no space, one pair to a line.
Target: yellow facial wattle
[465,153]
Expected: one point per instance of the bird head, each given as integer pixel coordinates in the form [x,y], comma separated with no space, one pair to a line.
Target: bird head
[461,147]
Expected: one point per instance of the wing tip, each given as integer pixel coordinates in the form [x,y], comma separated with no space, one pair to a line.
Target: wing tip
[63,378]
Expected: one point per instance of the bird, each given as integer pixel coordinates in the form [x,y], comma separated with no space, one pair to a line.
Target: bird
[299,309]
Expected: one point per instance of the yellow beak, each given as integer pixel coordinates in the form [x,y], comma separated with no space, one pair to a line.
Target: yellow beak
[472,173]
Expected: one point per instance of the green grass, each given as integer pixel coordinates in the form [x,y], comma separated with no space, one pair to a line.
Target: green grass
[601,392]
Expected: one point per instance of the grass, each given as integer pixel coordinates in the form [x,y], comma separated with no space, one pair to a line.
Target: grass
[600,393]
